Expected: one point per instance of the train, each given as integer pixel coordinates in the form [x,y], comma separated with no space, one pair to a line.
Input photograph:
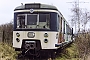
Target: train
[40,29]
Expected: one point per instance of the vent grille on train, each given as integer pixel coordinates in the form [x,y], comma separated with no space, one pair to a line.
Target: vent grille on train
[31,6]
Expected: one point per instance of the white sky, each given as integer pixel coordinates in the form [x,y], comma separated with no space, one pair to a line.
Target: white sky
[7,7]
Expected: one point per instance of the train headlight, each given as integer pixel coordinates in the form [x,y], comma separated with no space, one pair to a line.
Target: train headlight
[45,35]
[17,34]
[31,34]
[57,36]
[46,40]
[17,39]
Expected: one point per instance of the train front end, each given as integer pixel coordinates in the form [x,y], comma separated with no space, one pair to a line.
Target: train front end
[35,28]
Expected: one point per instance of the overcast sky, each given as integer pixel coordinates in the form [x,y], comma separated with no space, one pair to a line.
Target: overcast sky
[7,7]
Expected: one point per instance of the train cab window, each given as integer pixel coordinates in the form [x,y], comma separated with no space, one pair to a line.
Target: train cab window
[21,21]
[38,21]
[32,20]
[44,21]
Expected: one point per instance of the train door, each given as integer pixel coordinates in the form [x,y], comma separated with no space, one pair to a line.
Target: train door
[60,30]
[64,30]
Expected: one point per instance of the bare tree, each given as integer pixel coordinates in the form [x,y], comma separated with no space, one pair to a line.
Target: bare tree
[7,32]
[85,19]
[76,15]
[81,17]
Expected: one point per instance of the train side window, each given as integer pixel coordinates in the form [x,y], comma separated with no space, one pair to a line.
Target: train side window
[58,23]
[68,30]
[64,27]
[61,25]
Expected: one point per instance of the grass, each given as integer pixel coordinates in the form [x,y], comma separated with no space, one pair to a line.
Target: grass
[7,52]
[69,53]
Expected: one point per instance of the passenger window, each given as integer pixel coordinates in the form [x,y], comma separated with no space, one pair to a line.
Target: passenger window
[68,30]
[58,23]
[61,24]
[64,27]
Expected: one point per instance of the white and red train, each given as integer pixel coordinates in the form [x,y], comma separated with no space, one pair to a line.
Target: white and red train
[40,28]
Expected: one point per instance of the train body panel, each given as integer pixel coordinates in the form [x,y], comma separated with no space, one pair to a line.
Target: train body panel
[50,44]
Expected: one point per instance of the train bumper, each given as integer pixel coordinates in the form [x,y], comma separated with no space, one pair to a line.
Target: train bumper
[58,45]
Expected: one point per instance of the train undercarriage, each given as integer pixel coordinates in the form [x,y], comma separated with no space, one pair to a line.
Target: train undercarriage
[37,55]
[32,50]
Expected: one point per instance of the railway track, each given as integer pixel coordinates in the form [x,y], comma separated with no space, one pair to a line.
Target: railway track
[28,57]
[45,57]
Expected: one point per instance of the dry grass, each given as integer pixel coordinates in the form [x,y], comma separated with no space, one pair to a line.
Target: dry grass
[79,50]
[83,45]
[7,52]
[69,53]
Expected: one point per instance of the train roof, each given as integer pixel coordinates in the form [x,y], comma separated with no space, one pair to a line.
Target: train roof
[38,6]
[35,6]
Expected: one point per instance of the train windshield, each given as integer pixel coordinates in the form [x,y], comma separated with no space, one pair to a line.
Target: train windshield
[33,21]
